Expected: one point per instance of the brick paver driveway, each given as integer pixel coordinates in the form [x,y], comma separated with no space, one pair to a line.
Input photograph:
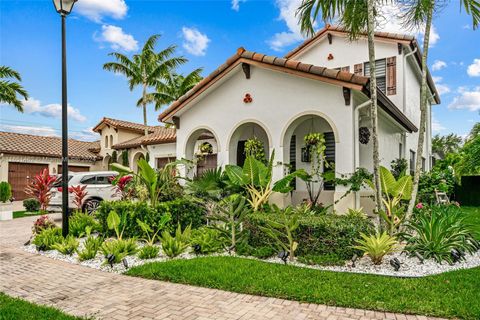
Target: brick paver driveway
[87,292]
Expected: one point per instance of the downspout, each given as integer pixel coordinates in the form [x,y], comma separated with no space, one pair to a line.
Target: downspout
[404,98]
[356,145]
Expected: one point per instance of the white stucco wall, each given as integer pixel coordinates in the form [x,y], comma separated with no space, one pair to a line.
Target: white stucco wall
[161,151]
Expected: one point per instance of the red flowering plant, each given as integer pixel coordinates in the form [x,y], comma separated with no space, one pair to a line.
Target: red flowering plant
[40,187]
[79,194]
[42,223]
[124,186]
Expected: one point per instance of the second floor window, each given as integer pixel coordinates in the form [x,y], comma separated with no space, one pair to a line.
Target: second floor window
[412,162]
[381,73]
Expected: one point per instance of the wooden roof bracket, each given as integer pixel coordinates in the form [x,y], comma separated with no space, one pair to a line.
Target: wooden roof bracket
[347,93]
[329,35]
[246,70]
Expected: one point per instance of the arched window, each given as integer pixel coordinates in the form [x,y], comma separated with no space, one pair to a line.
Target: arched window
[111,141]
[106,141]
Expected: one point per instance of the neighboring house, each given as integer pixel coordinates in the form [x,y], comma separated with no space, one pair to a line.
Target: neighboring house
[280,100]
[22,156]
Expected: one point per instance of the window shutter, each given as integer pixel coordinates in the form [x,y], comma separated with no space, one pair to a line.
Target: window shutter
[330,157]
[358,69]
[346,69]
[391,76]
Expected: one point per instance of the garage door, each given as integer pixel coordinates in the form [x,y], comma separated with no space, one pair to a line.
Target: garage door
[73,169]
[19,174]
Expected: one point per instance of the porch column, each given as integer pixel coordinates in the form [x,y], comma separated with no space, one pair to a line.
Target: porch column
[344,164]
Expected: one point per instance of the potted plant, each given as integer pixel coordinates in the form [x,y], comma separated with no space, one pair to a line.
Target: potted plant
[255,148]
[313,138]
[6,207]
[205,148]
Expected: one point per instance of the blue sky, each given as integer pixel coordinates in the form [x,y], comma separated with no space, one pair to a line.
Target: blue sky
[207,33]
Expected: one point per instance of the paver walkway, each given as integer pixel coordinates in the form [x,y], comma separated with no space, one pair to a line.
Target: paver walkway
[84,291]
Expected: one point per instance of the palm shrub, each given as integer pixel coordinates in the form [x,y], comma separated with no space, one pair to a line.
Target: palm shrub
[174,246]
[376,246]
[282,231]
[5,191]
[67,246]
[90,248]
[434,233]
[47,238]
[79,222]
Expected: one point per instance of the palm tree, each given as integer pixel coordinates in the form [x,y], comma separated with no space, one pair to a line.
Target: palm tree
[419,13]
[10,89]
[145,68]
[172,87]
[358,17]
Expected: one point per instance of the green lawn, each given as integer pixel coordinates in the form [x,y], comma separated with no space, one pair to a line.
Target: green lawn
[453,294]
[21,214]
[473,217]
[16,309]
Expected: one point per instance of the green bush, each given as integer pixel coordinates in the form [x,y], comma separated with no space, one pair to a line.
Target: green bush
[325,260]
[244,249]
[316,235]
[119,248]
[183,212]
[149,252]
[90,248]
[208,240]
[31,205]
[47,238]
[5,191]
[174,246]
[67,246]
[437,179]
[79,222]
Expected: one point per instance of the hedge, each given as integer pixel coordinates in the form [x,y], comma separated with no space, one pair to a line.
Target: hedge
[316,235]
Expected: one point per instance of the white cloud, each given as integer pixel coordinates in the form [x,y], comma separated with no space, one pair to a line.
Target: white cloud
[54,110]
[236,4]
[466,26]
[474,69]
[441,87]
[467,99]
[436,125]
[195,42]
[117,39]
[85,135]
[97,9]
[281,40]
[438,65]
[38,131]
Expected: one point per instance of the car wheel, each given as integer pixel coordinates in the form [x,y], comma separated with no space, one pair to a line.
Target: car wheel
[91,206]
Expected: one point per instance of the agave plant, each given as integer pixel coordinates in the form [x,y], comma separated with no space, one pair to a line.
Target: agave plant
[435,233]
[376,246]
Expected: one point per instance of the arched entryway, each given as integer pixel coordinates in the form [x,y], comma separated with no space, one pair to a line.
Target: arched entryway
[134,163]
[297,155]
[106,162]
[240,138]
[202,149]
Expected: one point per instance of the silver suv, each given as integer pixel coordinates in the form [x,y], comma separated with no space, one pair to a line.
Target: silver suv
[99,188]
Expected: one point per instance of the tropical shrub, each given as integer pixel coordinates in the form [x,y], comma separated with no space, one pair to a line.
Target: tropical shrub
[149,252]
[117,223]
[119,248]
[42,223]
[124,187]
[255,148]
[90,248]
[399,167]
[5,191]
[434,232]
[442,180]
[282,230]
[232,211]
[150,236]
[79,194]
[174,246]
[316,235]
[324,260]
[31,205]
[79,223]
[67,246]
[131,211]
[47,238]
[356,213]
[211,185]
[40,187]
[207,240]
[183,212]
[376,246]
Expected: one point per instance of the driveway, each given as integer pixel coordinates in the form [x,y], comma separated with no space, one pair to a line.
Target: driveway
[84,291]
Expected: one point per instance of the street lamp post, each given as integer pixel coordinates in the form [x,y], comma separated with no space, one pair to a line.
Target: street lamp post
[64,7]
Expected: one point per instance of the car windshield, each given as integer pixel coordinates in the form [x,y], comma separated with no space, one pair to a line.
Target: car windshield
[58,182]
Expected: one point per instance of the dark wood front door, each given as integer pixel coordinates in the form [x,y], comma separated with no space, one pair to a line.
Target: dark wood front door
[19,175]
[207,162]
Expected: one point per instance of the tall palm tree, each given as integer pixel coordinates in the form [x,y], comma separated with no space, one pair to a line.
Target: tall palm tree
[10,89]
[145,68]
[419,13]
[172,87]
[358,17]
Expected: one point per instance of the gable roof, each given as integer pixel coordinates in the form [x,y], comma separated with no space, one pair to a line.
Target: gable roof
[27,144]
[122,124]
[158,136]
[384,36]
[290,66]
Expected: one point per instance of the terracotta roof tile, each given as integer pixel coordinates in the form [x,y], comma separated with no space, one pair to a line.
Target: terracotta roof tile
[122,124]
[27,144]
[159,136]
[344,76]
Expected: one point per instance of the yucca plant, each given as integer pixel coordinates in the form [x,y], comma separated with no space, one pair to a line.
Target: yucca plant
[376,246]
[174,246]
[436,232]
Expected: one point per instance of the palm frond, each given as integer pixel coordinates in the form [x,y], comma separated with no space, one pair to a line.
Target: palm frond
[7,72]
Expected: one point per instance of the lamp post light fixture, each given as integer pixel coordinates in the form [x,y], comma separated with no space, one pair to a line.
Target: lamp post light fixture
[64,7]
